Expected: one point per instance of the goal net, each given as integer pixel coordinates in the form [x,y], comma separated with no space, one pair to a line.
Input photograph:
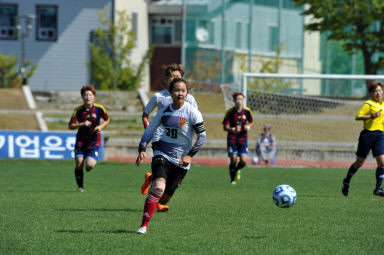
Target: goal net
[312,117]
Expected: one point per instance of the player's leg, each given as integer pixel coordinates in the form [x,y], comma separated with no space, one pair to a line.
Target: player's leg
[148,176]
[365,143]
[232,154]
[243,155]
[378,191]
[79,165]
[160,167]
[174,180]
[378,152]
[91,157]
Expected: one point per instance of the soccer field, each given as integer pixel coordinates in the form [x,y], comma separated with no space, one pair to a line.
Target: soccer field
[40,212]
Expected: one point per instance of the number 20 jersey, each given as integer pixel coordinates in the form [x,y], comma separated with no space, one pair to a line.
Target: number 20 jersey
[179,128]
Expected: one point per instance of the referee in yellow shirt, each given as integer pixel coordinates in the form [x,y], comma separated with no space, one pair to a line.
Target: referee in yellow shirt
[371,138]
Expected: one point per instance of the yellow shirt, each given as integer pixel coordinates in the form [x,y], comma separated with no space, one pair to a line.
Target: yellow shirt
[370,107]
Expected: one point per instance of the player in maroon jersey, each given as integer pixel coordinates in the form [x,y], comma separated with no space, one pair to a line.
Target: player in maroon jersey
[237,121]
[86,118]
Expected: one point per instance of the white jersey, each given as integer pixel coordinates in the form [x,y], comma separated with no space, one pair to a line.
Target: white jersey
[159,100]
[179,127]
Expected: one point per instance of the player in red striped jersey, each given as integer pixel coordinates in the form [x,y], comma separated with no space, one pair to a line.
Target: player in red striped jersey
[237,121]
[86,118]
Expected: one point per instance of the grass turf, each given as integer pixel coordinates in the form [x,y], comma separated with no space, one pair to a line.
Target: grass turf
[40,212]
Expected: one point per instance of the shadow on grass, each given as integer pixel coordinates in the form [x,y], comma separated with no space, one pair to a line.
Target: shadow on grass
[320,196]
[99,210]
[118,231]
[254,237]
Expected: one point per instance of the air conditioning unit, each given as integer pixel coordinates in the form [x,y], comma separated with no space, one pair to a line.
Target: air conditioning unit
[47,33]
[8,32]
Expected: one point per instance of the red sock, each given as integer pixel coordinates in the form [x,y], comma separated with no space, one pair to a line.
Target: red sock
[149,208]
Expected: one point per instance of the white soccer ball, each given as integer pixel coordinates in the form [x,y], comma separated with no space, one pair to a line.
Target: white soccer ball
[255,160]
[284,196]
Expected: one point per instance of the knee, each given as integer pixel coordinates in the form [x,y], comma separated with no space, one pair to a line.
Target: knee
[90,164]
[158,187]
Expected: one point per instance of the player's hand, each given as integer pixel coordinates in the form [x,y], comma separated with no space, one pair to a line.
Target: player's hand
[185,161]
[377,114]
[87,123]
[238,128]
[140,158]
[97,129]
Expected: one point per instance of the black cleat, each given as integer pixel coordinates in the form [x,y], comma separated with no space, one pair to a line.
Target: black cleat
[378,192]
[345,188]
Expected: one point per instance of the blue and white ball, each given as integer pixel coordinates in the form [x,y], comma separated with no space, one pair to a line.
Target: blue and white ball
[284,196]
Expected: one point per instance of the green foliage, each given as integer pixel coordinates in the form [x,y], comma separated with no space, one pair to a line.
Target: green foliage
[359,24]
[270,65]
[110,65]
[42,214]
[9,75]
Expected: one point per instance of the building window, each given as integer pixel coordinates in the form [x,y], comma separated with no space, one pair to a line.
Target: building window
[208,27]
[8,13]
[165,30]
[46,25]
[238,35]
[273,38]
[135,23]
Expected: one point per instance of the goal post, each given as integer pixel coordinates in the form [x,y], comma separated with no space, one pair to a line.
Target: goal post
[312,115]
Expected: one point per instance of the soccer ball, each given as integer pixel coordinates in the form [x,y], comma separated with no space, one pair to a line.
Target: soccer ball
[255,160]
[284,196]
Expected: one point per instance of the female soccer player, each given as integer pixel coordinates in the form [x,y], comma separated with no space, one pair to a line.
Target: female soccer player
[86,118]
[174,151]
[159,100]
[237,121]
[371,138]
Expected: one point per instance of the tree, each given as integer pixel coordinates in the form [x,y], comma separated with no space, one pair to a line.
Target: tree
[268,65]
[359,24]
[110,66]
[9,76]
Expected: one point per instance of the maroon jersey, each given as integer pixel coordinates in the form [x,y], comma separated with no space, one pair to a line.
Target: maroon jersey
[234,118]
[85,135]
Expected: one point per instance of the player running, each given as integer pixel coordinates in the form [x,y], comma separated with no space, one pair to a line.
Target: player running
[159,100]
[371,138]
[86,118]
[174,151]
[237,121]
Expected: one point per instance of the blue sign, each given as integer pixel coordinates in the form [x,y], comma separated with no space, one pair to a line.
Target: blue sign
[40,145]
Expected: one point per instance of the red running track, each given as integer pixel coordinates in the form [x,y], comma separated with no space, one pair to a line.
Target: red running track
[279,163]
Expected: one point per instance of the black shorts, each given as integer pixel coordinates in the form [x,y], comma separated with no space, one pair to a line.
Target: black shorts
[174,175]
[370,140]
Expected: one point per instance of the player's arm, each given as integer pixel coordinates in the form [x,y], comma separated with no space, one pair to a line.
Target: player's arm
[148,109]
[74,124]
[200,141]
[249,120]
[146,138]
[226,124]
[365,113]
[144,119]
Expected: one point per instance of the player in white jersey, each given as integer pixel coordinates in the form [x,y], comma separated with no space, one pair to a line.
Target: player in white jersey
[174,151]
[159,100]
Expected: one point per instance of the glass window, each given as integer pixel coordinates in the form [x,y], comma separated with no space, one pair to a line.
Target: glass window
[8,13]
[178,31]
[135,24]
[161,35]
[46,23]
[273,37]
[190,30]
[208,26]
[238,35]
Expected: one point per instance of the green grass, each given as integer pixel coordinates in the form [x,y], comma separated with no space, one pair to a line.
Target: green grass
[40,212]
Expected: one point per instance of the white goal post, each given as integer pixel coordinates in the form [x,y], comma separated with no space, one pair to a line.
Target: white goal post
[244,86]
[312,115]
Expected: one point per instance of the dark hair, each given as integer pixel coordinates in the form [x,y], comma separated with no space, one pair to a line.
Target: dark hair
[87,87]
[174,67]
[373,85]
[176,80]
[235,94]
